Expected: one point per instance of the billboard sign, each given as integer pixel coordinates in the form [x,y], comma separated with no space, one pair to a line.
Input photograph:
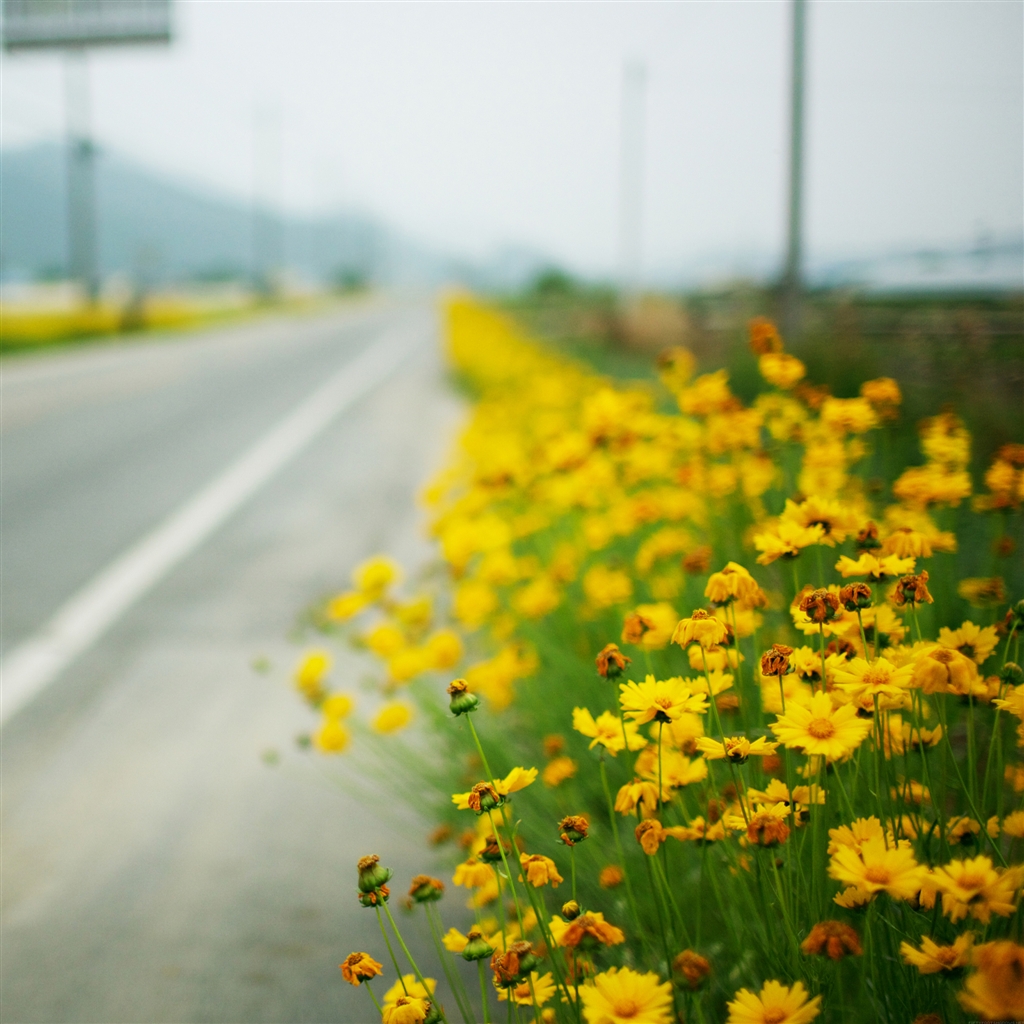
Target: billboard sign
[76,23]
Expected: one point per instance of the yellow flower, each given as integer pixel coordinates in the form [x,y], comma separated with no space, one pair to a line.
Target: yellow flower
[875,868]
[1013,825]
[974,886]
[932,958]
[942,670]
[775,1004]
[385,640]
[624,996]
[406,1010]
[409,986]
[656,624]
[310,673]
[848,415]
[392,717]
[543,987]
[982,592]
[408,663]
[332,737]
[360,967]
[970,640]
[736,748]
[822,728]
[558,770]
[881,392]
[337,706]
[606,730]
[517,779]
[474,603]
[996,989]
[884,568]
[734,583]
[473,874]
[877,678]
[537,598]
[344,606]
[700,628]
[676,769]
[855,835]
[590,926]
[661,700]
[781,370]
[786,539]
[444,649]
[640,793]
[374,576]
[605,588]
[539,870]
[837,521]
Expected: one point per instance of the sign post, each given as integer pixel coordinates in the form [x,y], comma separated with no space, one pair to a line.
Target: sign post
[73,26]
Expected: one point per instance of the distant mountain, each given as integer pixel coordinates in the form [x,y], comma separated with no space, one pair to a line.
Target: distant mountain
[162,230]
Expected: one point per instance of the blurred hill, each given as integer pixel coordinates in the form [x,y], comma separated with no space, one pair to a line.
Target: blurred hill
[160,230]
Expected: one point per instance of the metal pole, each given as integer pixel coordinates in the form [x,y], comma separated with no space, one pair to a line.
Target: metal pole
[791,278]
[81,175]
[634,81]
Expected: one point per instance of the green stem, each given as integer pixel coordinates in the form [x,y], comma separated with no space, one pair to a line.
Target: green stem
[409,957]
[394,959]
[483,991]
[366,985]
[454,981]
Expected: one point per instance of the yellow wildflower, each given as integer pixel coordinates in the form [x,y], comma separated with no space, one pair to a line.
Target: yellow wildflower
[661,700]
[606,730]
[822,728]
[774,1004]
[932,958]
[624,996]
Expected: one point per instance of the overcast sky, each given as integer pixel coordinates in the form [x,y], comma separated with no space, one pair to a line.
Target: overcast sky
[471,125]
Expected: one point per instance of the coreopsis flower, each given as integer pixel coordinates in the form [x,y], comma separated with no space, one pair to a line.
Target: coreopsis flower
[638,793]
[982,592]
[699,831]
[701,628]
[734,583]
[694,968]
[832,939]
[650,834]
[408,985]
[884,395]
[766,825]
[822,728]
[912,590]
[1013,825]
[855,596]
[972,641]
[393,717]
[878,868]
[886,567]
[905,542]
[372,874]
[848,415]
[586,932]
[962,831]
[659,700]
[461,700]
[484,796]
[541,986]
[781,370]
[853,898]
[606,730]
[425,889]
[735,748]
[344,606]
[473,874]
[570,910]
[611,662]
[854,836]
[764,336]
[876,678]
[513,963]
[310,674]
[611,876]
[471,946]
[696,563]
[557,770]
[677,770]
[573,829]
[375,897]
[786,539]
[974,886]
[775,662]
[406,1010]
[837,521]
[539,870]
[635,627]
[494,849]
[332,737]
[373,577]
[360,967]
[605,588]
[774,1004]
[624,996]
[820,605]
[932,958]
[867,538]
[995,990]
[942,670]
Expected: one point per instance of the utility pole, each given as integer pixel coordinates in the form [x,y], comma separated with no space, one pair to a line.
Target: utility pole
[791,277]
[631,184]
[82,256]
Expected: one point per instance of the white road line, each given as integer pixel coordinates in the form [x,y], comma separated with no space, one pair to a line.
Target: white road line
[34,664]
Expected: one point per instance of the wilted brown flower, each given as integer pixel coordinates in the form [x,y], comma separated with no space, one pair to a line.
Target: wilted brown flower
[820,605]
[360,967]
[573,829]
[513,962]
[610,877]
[832,939]
[912,590]
[775,662]
[767,829]
[611,662]
[854,596]
[698,561]
[867,538]
[484,797]
[553,745]
[440,835]
[650,835]
[764,336]
[693,967]
[635,627]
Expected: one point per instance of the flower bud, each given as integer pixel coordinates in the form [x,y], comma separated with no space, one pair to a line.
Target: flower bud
[573,829]
[462,701]
[693,967]
[484,797]
[425,889]
[867,539]
[477,947]
[1011,674]
[375,897]
[433,1014]
[570,910]
[493,847]
[372,874]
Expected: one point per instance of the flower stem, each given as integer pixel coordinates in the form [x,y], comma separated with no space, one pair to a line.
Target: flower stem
[483,991]
[409,957]
[394,959]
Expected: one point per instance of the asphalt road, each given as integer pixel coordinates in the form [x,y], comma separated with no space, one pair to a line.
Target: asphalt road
[154,867]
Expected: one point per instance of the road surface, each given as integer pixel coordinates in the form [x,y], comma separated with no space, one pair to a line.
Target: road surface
[154,866]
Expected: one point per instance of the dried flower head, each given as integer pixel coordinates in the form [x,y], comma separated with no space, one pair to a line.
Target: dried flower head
[912,590]
[693,967]
[635,627]
[867,538]
[360,967]
[832,939]
[573,829]
[854,596]
[775,662]
[820,605]
[425,889]
[697,562]
[611,662]
[764,336]
[513,963]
